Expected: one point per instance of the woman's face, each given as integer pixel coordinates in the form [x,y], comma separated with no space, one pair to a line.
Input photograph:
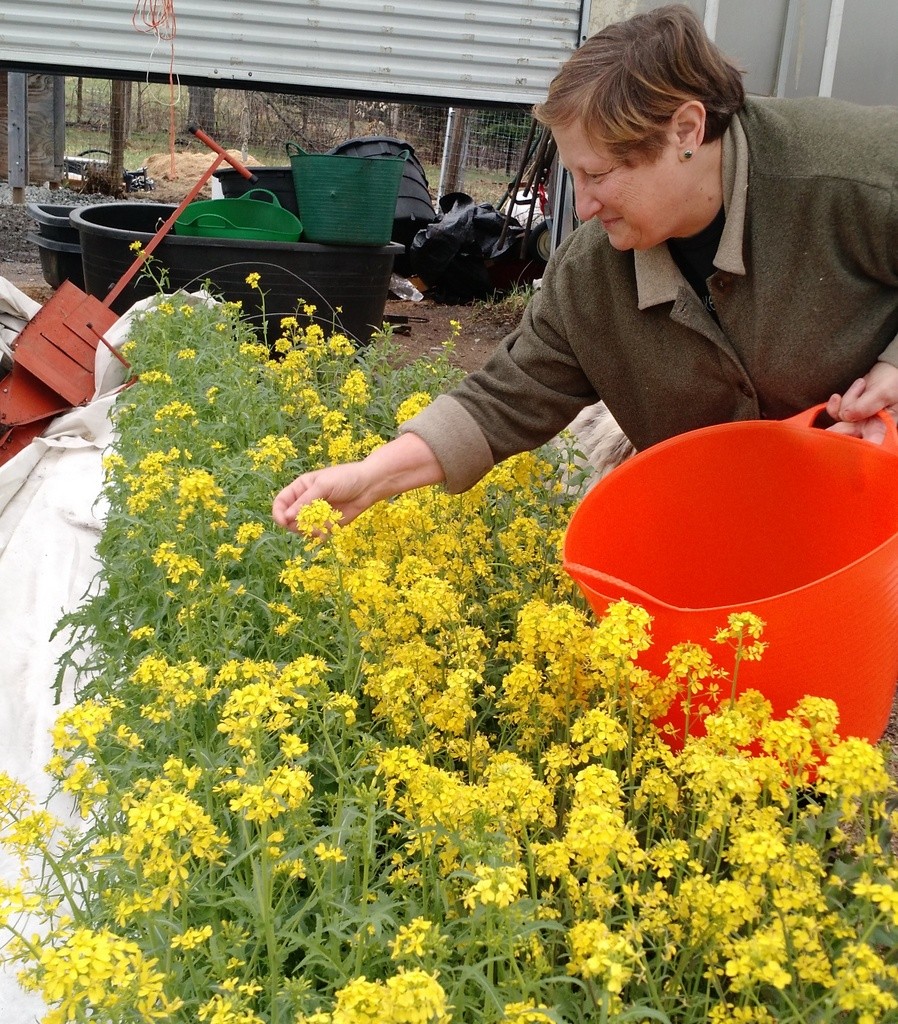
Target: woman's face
[639,204]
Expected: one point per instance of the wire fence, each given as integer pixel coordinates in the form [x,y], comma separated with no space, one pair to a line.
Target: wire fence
[478,151]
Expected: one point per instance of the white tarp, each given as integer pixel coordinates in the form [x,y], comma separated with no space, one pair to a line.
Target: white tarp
[51,517]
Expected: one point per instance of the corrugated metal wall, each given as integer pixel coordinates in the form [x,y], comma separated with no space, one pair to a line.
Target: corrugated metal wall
[463,51]
[842,48]
[502,51]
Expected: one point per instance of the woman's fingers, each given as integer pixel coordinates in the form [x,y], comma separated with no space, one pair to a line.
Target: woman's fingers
[342,487]
[287,504]
[302,491]
[847,404]
[872,429]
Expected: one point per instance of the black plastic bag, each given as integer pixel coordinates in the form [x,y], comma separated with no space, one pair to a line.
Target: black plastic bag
[450,254]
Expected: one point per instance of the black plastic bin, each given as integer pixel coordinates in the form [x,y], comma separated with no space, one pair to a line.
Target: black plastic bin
[278,180]
[58,243]
[54,222]
[354,278]
[60,261]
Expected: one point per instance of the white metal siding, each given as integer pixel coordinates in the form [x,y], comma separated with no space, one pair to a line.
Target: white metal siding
[459,50]
[782,44]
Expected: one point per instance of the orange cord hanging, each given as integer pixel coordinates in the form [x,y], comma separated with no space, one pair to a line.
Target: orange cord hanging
[158,17]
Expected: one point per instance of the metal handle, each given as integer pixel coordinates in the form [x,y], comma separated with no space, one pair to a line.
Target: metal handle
[160,234]
[198,133]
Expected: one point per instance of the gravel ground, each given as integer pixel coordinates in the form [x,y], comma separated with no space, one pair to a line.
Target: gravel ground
[20,260]
[16,221]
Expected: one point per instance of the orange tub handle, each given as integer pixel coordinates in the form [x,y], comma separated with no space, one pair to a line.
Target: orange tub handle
[809,417]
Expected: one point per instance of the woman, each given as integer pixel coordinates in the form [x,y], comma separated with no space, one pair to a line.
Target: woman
[737,258]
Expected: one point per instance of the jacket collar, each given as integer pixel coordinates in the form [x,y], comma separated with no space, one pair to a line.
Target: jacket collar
[657,277]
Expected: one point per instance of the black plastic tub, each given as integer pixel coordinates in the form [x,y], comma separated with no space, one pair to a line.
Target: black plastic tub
[348,285]
[60,261]
[53,222]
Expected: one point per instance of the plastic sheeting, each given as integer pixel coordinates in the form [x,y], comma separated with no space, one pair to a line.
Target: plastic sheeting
[16,309]
[51,516]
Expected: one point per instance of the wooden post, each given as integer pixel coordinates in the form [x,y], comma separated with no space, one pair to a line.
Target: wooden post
[118,102]
[58,171]
[17,133]
[32,136]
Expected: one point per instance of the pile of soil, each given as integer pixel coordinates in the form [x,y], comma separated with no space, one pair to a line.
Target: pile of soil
[175,174]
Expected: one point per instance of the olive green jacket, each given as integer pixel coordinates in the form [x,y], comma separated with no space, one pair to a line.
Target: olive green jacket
[806,291]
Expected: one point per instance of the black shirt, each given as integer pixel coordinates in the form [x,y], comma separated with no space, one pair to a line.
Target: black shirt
[695,258]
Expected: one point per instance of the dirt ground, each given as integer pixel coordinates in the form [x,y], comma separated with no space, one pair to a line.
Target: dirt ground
[421,328]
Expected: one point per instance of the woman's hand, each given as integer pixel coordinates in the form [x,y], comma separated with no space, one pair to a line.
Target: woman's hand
[856,411]
[344,488]
[351,488]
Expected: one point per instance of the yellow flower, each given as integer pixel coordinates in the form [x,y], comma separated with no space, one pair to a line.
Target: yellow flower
[414,939]
[253,279]
[743,626]
[246,533]
[883,895]
[230,552]
[272,452]
[340,345]
[154,377]
[526,1013]
[317,519]
[227,1007]
[176,566]
[496,886]
[83,724]
[355,388]
[197,489]
[599,953]
[192,937]
[329,854]
[761,958]
[412,406]
[283,789]
[176,410]
[94,973]
[359,1002]
[414,997]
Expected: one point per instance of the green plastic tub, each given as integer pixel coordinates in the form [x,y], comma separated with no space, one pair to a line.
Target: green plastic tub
[259,219]
[346,200]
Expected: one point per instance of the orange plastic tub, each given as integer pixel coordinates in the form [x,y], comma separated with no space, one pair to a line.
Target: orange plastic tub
[794,523]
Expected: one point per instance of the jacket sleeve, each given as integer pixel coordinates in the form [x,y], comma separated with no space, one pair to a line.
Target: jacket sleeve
[530,388]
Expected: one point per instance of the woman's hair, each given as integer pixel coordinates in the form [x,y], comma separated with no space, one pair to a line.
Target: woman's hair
[626,82]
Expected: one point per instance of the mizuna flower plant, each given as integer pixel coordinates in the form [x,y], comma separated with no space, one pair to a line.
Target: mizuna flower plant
[396,772]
